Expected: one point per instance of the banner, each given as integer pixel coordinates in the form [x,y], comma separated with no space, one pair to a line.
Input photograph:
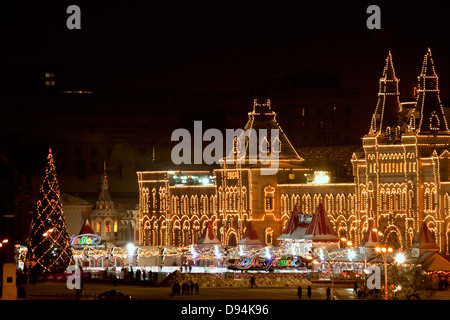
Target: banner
[261,263]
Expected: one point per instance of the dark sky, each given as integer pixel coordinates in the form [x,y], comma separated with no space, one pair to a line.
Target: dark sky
[221,45]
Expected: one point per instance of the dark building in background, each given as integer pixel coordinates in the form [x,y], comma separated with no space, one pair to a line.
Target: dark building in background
[44,107]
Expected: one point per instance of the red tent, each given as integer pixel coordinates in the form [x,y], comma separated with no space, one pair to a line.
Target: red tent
[320,229]
[86,228]
[292,223]
[294,230]
[370,239]
[250,237]
[424,239]
[208,238]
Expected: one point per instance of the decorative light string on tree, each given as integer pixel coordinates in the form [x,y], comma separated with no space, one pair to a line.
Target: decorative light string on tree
[50,243]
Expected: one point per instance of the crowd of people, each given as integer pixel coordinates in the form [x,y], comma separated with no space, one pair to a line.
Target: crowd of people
[185,289]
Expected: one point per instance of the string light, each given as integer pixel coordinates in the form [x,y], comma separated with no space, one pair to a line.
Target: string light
[50,243]
[387,187]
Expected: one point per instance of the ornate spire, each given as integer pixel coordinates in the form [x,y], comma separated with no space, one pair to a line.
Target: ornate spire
[388,105]
[264,118]
[104,197]
[428,104]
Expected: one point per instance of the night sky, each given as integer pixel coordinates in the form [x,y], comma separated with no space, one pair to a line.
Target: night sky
[203,46]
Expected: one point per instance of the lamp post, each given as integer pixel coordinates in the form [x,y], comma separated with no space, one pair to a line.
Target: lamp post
[384,251]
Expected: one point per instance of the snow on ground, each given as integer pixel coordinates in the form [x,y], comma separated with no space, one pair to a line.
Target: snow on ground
[215,280]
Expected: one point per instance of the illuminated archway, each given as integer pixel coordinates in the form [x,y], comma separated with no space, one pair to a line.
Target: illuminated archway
[392,237]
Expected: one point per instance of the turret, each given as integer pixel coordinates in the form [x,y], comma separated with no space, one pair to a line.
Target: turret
[428,104]
[386,115]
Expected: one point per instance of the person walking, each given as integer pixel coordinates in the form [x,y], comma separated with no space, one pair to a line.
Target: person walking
[114,280]
[308,290]
[252,282]
[196,288]
[138,275]
[299,292]
[328,293]
[174,289]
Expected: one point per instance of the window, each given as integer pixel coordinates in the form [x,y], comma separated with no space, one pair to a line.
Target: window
[49,79]
[269,203]
[305,111]
[333,111]
[115,226]
[94,152]
[99,226]
[269,194]
[268,236]
[108,227]
[434,121]
[348,112]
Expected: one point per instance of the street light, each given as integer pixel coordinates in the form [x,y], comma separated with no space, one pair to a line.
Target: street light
[4,241]
[400,258]
[383,251]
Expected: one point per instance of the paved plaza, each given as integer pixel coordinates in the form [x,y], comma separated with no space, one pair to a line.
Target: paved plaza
[59,291]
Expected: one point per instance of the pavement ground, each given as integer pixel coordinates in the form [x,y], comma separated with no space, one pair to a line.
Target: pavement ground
[59,291]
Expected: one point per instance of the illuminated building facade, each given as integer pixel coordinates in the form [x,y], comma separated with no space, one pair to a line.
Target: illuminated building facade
[110,220]
[401,179]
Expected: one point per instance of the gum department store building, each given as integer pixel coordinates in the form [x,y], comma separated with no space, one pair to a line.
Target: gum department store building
[401,179]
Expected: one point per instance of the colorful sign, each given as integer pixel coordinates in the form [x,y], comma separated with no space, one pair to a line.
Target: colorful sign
[260,263]
[85,240]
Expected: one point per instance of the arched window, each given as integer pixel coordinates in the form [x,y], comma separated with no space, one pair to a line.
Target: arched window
[427,200]
[269,195]
[145,199]
[204,201]
[268,235]
[383,199]
[433,200]
[244,199]
[108,227]
[434,121]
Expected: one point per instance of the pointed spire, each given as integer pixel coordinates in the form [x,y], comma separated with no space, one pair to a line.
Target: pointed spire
[105,185]
[428,104]
[104,197]
[388,105]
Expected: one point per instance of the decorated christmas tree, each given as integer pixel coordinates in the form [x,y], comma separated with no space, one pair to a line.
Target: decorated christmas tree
[50,247]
